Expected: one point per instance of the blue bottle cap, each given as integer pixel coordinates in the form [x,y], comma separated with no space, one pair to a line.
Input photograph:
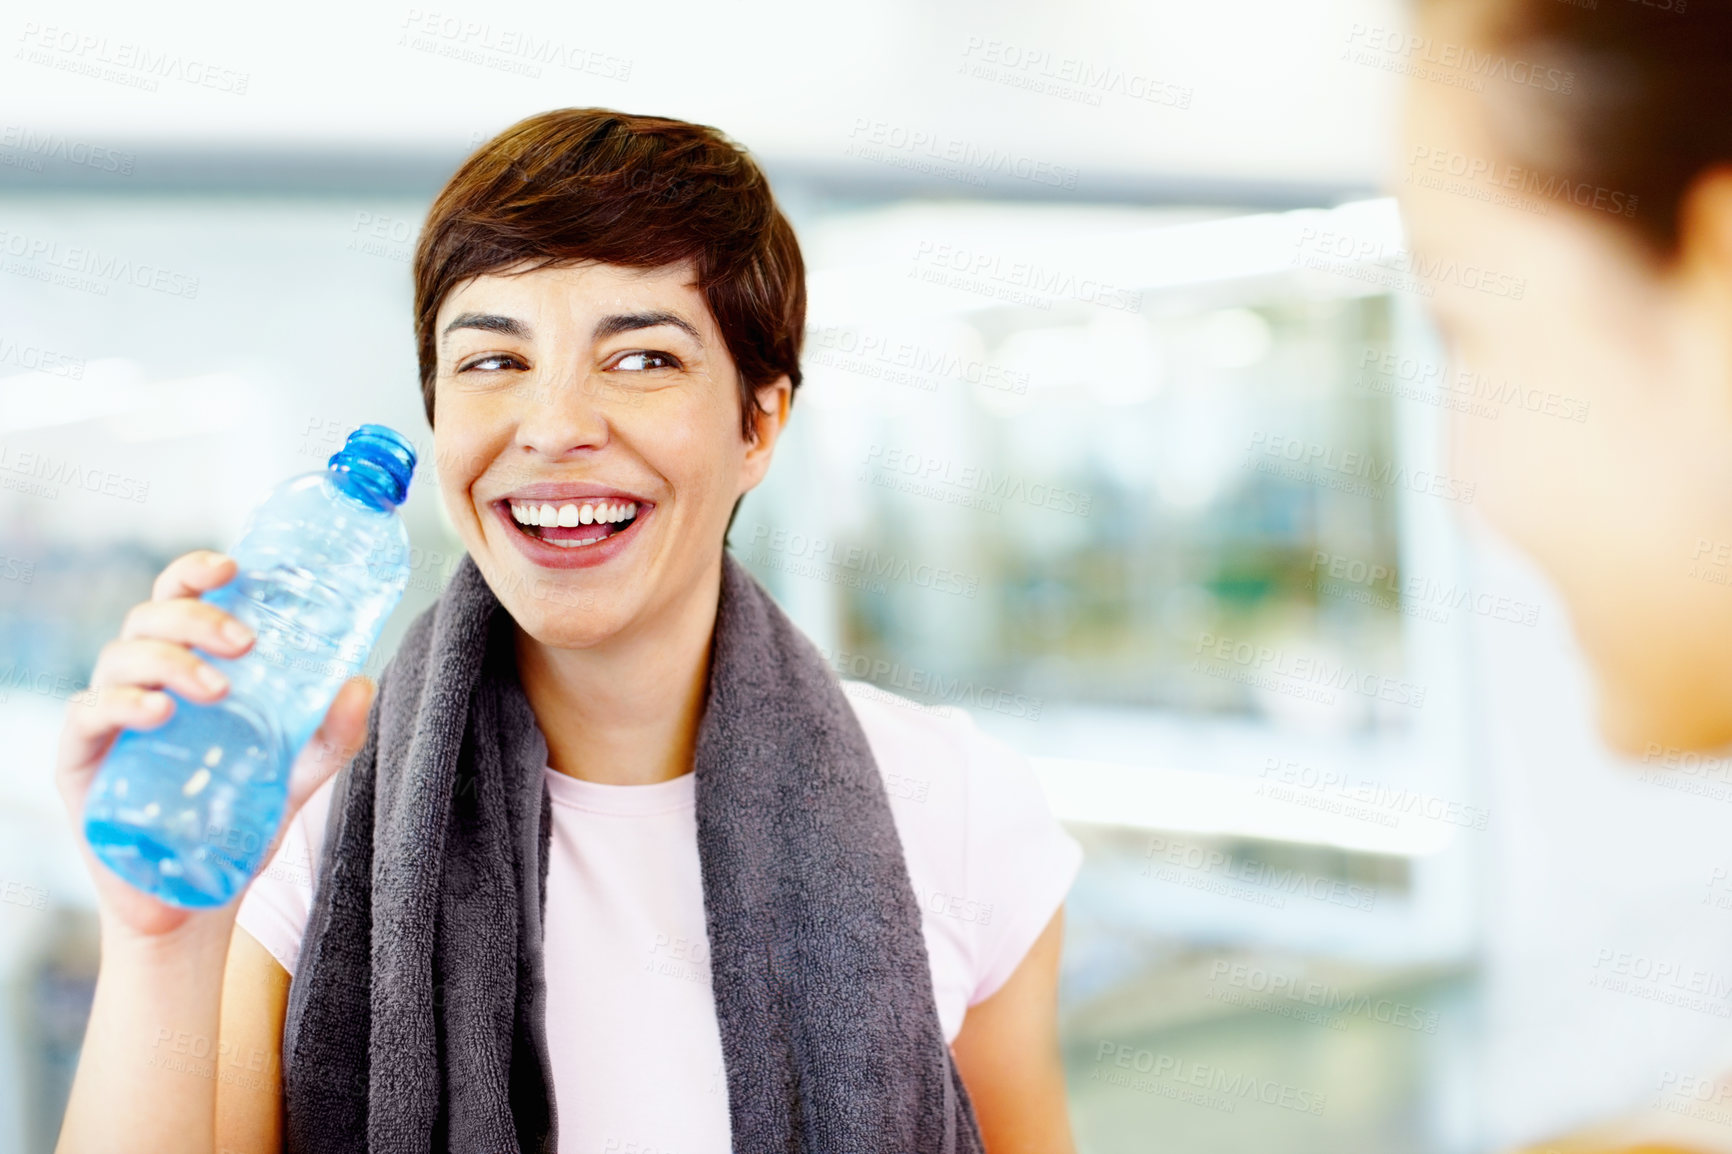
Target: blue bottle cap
[375,466]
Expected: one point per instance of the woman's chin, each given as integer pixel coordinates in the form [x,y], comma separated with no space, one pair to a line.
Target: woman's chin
[556,628]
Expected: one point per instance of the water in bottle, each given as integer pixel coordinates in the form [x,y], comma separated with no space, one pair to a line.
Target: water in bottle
[186,811]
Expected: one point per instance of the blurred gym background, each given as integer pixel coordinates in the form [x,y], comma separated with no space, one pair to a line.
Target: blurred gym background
[1121,431]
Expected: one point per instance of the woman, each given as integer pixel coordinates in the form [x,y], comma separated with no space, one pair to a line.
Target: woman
[1586,149]
[616,862]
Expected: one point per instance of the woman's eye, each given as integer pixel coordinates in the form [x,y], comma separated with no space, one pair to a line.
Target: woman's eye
[492,362]
[640,361]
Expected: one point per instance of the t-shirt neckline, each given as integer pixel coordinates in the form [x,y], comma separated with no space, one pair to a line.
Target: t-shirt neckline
[622,800]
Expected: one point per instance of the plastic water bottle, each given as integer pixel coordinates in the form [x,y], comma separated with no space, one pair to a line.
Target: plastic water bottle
[185,811]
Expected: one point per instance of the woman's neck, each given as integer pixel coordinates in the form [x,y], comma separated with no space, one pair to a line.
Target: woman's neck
[627,712]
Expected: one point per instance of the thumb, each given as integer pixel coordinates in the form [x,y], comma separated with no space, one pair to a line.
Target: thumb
[334,744]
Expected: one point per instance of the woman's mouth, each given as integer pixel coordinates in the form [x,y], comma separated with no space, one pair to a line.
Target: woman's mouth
[572,524]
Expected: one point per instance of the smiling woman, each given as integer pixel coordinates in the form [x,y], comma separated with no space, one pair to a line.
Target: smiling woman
[612,861]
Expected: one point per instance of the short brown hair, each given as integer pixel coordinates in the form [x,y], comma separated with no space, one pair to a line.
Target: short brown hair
[581,184]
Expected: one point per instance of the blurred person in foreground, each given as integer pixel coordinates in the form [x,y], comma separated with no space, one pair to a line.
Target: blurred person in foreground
[1594,163]
[619,862]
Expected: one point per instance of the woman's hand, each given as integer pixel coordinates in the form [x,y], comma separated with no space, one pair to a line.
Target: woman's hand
[154,652]
[163,968]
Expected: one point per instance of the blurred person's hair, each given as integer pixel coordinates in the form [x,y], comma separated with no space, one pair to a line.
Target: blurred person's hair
[591,184]
[1650,108]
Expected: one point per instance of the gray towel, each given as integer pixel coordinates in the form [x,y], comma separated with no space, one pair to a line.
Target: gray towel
[416,1020]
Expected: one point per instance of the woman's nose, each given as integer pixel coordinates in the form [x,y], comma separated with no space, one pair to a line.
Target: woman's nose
[559,414]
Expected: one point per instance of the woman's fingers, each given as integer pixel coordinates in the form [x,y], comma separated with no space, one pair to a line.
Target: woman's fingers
[152,654]
[145,661]
[335,742]
[193,573]
[188,621]
[95,717]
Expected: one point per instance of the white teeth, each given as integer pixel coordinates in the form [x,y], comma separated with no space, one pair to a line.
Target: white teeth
[570,515]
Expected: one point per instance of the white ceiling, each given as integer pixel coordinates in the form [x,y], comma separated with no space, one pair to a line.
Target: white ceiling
[1270,98]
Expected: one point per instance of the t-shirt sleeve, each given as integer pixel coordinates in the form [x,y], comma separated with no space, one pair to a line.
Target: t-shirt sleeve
[276,905]
[1021,862]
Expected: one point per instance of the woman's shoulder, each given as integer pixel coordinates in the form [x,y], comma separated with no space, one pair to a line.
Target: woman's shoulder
[909,739]
[988,859]
[939,753]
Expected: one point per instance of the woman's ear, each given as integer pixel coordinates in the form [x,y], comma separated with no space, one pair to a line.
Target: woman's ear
[775,401]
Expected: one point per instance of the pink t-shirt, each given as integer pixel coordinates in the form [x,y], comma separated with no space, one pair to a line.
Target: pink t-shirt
[631,1021]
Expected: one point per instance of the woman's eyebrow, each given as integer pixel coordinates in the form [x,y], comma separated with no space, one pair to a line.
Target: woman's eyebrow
[627,322]
[489,322]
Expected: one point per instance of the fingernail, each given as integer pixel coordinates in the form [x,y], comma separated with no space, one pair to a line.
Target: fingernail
[236,633]
[211,678]
[156,701]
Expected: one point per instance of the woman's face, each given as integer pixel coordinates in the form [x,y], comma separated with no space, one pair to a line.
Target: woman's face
[1629,508]
[587,432]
